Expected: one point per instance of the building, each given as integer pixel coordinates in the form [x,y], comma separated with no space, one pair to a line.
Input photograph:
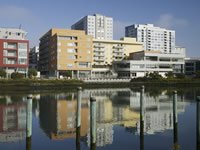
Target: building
[144,62]
[34,57]
[14,49]
[64,50]
[107,51]
[153,38]
[99,26]
[192,65]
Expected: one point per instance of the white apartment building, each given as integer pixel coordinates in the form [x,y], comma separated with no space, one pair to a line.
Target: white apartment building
[99,26]
[144,62]
[153,38]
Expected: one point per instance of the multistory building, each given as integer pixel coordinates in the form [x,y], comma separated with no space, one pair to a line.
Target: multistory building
[14,48]
[192,65]
[105,52]
[34,57]
[99,26]
[64,50]
[153,38]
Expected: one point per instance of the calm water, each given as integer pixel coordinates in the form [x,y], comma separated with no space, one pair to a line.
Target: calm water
[117,120]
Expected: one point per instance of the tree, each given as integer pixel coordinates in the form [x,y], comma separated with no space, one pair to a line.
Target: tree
[2,73]
[32,73]
[169,74]
[67,73]
[16,75]
[197,74]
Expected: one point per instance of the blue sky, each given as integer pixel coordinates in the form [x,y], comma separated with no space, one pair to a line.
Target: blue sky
[38,16]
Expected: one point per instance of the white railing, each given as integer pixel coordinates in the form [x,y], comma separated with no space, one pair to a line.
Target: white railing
[111,80]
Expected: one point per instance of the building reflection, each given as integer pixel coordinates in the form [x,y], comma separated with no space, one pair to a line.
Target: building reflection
[12,119]
[158,115]
[57,114]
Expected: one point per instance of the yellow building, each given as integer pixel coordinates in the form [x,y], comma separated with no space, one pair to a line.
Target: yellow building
[64,50]
[107,51]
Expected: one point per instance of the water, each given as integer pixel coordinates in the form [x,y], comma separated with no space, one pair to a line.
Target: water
[53,120]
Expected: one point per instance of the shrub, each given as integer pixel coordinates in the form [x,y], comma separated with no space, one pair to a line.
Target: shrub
[180,76]
[16,75]
[169,75]
[2,73]
[32,73]
[67,73]
[154,75]
[197,74]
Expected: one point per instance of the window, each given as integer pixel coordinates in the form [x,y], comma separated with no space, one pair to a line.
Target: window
[71,50]
[71,44]
[22,54]
[11,45]
[83,64]
[72,57]
[22,46]
[22,61]
[69,65]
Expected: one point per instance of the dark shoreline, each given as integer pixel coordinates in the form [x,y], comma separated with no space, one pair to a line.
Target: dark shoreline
[9,86]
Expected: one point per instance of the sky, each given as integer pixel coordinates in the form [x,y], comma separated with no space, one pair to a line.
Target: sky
[38,16]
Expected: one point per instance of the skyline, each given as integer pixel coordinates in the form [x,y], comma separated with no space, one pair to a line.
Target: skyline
[36,19]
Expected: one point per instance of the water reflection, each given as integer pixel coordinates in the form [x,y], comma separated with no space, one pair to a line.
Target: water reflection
[67,116]
[114,107]
[12,119]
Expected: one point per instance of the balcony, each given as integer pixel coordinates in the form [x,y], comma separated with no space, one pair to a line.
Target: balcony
[118,55]
[98,50]
[99,54]
[118,47]
[99,59]
[99,46]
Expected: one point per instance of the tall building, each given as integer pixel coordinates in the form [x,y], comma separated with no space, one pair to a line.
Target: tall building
[153,38]
[100,27]
[34,57]
[14,49]
[64,50]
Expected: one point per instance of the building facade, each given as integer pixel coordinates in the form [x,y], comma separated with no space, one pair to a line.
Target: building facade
[153,38]
[99,26]
[192,65]
[64,50]
[144,62]
[105,52]
[14,48]
[34,57]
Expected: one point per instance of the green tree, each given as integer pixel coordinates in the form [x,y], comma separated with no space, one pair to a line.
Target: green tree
[16,75]
[67,73]
[32,73]
[2,73]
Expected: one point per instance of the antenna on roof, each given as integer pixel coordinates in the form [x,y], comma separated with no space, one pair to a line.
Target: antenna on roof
[20,26]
